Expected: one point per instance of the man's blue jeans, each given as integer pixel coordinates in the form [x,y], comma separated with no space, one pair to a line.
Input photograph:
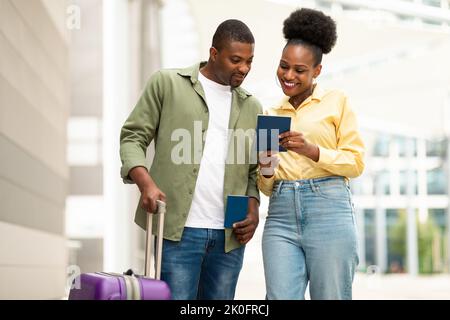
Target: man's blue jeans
[310,235]
[197,267]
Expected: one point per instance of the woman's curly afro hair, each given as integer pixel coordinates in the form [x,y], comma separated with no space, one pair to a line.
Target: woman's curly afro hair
[311,26]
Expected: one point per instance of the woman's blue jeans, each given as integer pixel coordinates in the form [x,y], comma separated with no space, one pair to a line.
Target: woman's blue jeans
[197,267]
[310,236]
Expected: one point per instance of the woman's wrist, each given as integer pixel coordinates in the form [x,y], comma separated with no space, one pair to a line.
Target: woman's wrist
[313,152]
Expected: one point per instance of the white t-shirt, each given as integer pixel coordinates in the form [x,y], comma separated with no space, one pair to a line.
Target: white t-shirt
[207,208]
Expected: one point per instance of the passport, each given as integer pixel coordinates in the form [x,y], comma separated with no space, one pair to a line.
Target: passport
[237,207]
[267,130]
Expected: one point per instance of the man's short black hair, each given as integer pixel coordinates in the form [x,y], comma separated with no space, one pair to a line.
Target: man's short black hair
[232,30]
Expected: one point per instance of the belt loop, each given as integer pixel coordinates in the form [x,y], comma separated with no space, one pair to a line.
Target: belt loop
[279,187]
[311,183]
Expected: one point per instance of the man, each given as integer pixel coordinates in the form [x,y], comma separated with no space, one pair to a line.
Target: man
[201,259]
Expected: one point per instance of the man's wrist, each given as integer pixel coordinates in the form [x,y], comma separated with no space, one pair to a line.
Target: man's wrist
[255,198]
[142,178]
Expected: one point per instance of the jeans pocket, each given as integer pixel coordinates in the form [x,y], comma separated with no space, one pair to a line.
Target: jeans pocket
[332,191]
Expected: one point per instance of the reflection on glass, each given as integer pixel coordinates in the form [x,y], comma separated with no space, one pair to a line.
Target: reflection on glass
[381,147]
[437,181]
[404,182]
[436,148]
[369,236]
[396,239]
[433,243]
[404,143]
[382,182]
[434,3]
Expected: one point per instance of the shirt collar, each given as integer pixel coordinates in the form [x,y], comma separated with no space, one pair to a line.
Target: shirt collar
[192,72]
[317,95]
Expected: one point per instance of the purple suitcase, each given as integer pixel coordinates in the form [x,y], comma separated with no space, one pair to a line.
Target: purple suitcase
[113,286]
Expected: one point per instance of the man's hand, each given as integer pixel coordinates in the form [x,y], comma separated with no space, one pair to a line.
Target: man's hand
[245,229]
[296,141]
[149,196]
[268,161]
[149,190]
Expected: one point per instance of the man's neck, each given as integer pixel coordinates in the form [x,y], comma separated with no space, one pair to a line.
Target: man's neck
[208,73]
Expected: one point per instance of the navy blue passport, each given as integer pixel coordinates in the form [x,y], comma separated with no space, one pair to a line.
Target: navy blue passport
[267,130]
[236,211]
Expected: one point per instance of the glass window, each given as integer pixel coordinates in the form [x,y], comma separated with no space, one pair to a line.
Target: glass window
[404,182]
[434,3]
[382,181]
[437,181]
[323,4]
[405,18]
[396,239]
[369,236]
[441,253]
[433,22]
[439,216]
[433,242]
[381,147]
[404,144]
[436,148]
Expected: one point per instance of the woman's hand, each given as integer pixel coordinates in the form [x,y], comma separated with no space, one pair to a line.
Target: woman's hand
[296,142]
[268,163]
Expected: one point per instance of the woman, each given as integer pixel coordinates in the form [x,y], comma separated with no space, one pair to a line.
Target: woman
[310,234]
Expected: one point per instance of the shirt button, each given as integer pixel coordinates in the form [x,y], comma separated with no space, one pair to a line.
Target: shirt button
[195,170]
[190,191]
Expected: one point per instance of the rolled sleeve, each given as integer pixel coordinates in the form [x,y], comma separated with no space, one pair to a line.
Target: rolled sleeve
[252,188]
[348,157]
[130,164]
[326,156]
[140,128]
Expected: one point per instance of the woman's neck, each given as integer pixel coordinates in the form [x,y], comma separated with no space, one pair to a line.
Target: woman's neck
[297,100]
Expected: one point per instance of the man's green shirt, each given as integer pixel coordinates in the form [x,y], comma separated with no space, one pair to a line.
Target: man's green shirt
[172,108]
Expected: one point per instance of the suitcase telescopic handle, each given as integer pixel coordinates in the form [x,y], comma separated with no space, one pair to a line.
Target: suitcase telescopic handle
[161,210]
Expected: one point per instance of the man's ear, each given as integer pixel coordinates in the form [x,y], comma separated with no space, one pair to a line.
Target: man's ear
[213,53]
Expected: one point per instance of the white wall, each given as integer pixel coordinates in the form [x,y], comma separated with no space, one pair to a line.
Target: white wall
[33,173]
